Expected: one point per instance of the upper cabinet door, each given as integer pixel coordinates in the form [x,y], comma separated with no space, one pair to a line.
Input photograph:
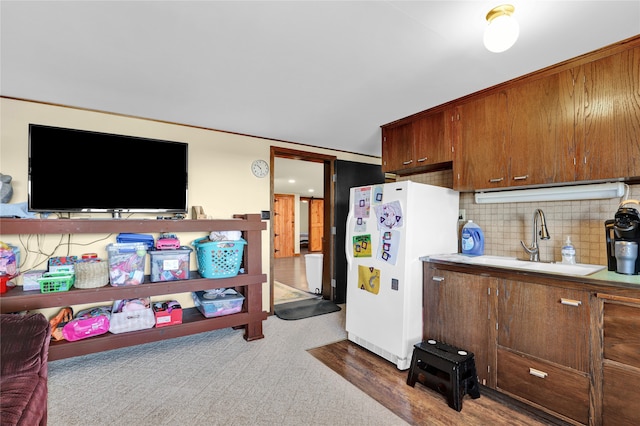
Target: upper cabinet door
[482,156]
[397,148]
[415,144]
[608,117]
[429,136]
[541,130]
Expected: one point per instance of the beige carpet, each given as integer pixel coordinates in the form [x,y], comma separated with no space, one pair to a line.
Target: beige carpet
[283,293]
[215,378]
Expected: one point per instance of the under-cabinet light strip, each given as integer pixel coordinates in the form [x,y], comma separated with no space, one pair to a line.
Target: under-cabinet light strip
[562,193]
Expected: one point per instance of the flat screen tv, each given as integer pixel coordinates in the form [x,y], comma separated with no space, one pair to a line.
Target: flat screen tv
[83,171]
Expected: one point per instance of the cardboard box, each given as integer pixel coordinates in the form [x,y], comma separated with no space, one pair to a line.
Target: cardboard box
[197,212]
[63,264]
[167,313]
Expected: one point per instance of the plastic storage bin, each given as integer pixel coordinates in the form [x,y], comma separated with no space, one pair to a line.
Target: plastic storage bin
[218,259]
[126,263]
[30,280]
[218,303]
[8,262]
[170,265]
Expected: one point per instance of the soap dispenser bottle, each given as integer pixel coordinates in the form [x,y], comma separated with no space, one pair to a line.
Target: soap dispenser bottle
[568,252]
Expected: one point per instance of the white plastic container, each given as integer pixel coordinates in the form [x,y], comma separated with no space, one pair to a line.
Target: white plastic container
[313,265]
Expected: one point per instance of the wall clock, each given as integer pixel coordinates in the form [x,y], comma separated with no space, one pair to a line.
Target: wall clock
[260,168]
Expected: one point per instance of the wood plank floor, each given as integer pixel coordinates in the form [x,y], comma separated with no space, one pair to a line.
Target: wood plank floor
[420,405]
[291,271]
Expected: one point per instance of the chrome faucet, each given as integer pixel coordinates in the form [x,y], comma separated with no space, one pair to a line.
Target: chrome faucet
[534,250]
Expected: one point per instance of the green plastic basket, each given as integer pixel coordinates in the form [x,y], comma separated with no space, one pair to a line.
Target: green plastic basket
[52,282]
[219,259]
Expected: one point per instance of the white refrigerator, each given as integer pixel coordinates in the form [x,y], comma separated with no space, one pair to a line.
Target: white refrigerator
[389,227]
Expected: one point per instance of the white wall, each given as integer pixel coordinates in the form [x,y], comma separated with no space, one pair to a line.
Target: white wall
[220,179]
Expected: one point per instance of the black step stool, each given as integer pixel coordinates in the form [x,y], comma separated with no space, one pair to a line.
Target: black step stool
[445,369]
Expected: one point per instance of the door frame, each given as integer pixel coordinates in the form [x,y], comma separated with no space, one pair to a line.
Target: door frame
[328,192]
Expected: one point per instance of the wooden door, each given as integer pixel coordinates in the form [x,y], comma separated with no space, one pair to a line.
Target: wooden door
[483,152]
[316,224]
[283,225]
[458,311]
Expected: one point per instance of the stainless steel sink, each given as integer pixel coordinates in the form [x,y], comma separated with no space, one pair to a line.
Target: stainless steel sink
[580,269]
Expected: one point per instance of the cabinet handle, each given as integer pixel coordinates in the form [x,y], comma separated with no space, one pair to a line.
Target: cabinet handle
[537,373]
[524,177]
[404,163]
[439,279]
[495,180]
[570,302]
[420,160]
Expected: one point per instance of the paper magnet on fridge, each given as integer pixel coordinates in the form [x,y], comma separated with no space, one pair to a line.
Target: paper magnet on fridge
[369,279]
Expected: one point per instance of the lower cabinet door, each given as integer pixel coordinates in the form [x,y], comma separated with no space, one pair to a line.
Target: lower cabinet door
[621,393]
[560,390]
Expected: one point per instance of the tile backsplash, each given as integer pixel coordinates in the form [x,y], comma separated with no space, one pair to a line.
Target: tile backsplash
[505,225]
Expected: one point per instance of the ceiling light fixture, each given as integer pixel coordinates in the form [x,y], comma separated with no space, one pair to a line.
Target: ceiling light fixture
[502,30]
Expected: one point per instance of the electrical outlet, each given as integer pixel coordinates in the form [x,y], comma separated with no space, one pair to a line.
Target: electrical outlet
[462,214]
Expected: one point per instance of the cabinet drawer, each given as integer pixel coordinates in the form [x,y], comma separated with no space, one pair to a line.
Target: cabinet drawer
[545,322]
[561,390]
[621,337]
[621,392]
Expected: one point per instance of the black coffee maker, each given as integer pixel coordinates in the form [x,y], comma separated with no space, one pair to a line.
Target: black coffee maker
[623,239]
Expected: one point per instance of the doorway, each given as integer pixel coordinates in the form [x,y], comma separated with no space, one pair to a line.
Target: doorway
[323,219]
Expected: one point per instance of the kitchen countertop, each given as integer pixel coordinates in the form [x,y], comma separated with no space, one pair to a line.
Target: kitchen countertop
[602,280]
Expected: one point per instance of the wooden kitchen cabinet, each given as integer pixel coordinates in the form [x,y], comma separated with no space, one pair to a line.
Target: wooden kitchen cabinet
[544,322]
[397,148]
[519,136]
[608,117]
[544,347]
[531,341]
[544,384]
[481,159]
[458,311]
[416,144]
[621,362]
[541,130]
[577,121]
[431,147]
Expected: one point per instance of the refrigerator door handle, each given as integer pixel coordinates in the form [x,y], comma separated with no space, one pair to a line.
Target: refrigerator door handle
[348,244]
